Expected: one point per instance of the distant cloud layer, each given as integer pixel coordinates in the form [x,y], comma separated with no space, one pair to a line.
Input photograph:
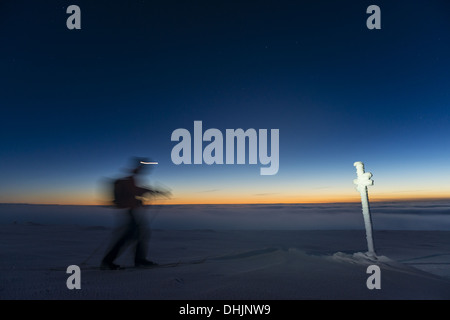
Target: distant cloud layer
[385,216]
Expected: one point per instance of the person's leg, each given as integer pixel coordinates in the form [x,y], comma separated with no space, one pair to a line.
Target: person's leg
[142,244]
[119,244]
[143,238]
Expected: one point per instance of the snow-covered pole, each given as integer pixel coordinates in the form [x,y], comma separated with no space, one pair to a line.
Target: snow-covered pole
[362,182]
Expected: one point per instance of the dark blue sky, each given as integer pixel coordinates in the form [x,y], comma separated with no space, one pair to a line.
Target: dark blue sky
[76,104]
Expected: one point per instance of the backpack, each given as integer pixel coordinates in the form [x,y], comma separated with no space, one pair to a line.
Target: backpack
[123,193]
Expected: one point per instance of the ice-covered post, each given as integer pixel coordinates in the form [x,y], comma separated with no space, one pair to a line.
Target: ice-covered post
[362,182]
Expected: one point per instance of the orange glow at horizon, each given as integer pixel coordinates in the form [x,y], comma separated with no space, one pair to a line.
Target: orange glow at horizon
[236,198]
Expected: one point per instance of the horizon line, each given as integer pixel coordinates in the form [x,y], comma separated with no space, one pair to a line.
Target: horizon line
[242,203]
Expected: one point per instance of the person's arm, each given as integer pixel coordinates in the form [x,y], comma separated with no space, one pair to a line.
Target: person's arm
[141,191]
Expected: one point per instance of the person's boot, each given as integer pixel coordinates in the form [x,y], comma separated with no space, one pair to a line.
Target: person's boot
[106,265]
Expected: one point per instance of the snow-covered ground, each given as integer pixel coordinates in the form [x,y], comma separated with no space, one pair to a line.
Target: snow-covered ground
[256,264]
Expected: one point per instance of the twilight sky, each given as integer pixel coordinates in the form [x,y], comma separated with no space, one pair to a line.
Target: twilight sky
[77,104]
